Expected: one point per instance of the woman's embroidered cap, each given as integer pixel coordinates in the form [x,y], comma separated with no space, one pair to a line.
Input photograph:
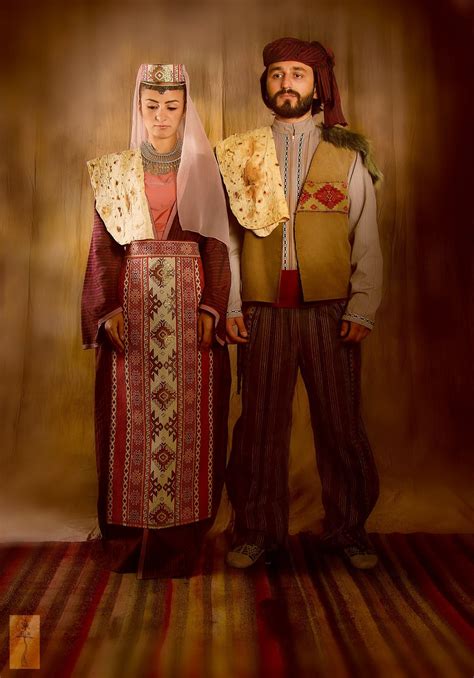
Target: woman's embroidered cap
[158,74]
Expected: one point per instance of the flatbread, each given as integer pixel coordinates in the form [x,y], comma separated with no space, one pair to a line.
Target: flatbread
[119,188]
[251,173]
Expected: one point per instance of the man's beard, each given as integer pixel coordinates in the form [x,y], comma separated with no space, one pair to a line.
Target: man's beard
[289,109]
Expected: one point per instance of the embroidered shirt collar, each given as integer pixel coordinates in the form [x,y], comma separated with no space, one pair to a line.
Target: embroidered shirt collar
[296,128]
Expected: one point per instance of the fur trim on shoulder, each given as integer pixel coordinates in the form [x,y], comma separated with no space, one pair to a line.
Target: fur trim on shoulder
[345,138]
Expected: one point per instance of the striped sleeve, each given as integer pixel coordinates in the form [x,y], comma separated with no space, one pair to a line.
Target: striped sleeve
[100,295]
[215,295]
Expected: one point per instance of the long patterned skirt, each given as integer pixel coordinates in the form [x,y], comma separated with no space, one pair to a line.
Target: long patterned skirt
[161,409]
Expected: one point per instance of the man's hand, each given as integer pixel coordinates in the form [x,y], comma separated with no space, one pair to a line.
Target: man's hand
[236,330]
[353,332]
[205,329]
[114,329]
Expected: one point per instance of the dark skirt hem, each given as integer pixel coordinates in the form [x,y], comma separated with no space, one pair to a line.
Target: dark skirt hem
[172,552]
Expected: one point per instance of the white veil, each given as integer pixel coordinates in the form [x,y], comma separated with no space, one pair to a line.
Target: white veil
[200,195]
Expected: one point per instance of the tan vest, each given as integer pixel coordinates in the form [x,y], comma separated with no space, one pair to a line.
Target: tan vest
[321,234]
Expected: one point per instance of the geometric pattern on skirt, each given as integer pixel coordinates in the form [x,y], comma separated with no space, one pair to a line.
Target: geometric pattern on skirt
[161,447]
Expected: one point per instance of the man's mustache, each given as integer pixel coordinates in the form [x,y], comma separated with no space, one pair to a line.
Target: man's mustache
[286,90]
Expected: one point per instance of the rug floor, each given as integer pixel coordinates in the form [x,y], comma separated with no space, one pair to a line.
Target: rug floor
[307,615]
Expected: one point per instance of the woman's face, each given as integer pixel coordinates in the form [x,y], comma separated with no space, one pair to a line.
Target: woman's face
[162,113]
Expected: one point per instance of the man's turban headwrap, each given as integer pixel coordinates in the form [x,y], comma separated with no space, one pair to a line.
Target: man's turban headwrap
[321,60]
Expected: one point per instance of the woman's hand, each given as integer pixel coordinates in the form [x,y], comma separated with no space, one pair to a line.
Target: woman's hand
[114,329]
[205,329]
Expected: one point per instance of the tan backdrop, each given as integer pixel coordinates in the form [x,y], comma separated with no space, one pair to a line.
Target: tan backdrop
[68,75]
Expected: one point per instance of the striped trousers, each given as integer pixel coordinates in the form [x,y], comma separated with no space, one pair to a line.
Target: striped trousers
[281,340]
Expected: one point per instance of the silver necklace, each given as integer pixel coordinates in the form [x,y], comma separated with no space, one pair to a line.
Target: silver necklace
[160,163]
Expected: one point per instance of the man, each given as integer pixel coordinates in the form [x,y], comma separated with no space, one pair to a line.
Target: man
[306,262]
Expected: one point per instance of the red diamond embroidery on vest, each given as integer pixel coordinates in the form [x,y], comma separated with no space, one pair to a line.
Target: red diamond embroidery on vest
[328,197]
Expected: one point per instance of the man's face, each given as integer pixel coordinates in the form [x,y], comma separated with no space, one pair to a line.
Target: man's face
[290,88]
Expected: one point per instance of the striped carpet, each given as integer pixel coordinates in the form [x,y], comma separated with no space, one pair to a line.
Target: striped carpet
[309,616]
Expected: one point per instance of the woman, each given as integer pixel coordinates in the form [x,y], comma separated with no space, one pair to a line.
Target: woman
[154,305]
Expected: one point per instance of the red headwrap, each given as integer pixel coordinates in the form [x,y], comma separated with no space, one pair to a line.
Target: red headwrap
[321,60]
